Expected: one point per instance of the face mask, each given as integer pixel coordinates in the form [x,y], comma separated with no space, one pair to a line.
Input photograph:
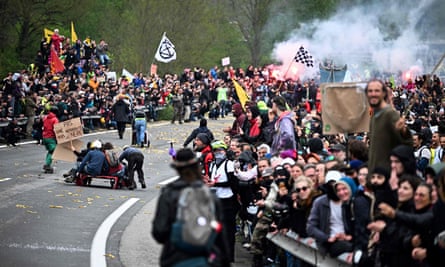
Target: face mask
[219,157]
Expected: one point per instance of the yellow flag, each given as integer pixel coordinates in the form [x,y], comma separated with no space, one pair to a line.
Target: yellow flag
[73,33]
[241,93]
[47,34]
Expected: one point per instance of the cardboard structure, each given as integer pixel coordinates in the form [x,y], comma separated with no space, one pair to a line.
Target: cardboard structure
[345,108]
[67,135]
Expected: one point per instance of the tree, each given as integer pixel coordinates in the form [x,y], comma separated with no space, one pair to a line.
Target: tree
[251,17]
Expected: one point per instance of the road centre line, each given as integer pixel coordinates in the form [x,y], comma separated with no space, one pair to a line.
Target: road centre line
[98,246]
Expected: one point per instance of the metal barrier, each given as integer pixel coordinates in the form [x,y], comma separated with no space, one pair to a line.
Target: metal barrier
[306,250]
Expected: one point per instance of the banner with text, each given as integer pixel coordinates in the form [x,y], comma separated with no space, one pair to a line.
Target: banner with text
[68,130]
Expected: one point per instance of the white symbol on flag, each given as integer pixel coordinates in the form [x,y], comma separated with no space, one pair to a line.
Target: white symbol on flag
[166,51]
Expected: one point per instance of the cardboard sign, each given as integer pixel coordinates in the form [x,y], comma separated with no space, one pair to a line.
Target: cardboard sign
[153,69]
[68,130]
[63,151]
[345,108]
[225,61]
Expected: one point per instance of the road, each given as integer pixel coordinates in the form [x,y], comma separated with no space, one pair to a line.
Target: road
[46,222]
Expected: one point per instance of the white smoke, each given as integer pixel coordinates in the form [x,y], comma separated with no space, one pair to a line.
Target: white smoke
[358,36]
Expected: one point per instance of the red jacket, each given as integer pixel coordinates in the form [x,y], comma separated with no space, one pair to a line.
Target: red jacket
[48,125]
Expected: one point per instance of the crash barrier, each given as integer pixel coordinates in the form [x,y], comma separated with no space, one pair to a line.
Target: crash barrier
[20,122]
[306,250]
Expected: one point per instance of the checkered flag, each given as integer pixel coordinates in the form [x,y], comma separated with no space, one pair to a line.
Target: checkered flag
[303,56]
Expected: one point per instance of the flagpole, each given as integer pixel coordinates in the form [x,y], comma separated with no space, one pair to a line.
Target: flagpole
[284,77]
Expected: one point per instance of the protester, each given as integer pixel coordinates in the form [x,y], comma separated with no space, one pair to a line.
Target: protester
[187,165]
[49,138]
[387,129]
[120,112]
[135,162]
[201,129]
[94,162]
[284,136]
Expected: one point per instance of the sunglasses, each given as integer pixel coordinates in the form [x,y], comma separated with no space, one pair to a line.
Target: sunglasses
[304,188]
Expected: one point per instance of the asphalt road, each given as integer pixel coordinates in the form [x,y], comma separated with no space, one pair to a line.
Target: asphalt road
[46,222]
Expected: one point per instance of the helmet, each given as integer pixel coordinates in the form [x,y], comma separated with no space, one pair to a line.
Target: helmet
[218,145]
[102,120]
[96,144]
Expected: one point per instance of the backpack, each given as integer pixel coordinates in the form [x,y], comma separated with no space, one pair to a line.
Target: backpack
[112,158]
[195,228]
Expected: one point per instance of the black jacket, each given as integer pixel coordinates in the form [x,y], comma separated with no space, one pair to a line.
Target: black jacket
[164,218]
[120,111]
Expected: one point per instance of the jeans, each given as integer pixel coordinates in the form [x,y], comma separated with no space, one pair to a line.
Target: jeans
[140,126]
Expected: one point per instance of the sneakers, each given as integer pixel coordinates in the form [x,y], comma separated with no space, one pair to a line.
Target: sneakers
[69,179]
[357,256]
[143,185]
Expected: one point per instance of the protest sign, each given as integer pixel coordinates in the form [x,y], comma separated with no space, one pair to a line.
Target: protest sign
[345,108]
[63,151]
[68,130]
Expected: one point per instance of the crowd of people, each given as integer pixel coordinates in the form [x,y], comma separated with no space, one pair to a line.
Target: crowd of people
[376,197]
[274,170]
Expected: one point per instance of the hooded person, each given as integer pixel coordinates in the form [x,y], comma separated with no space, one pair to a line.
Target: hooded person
[253,135]
[379,184]
[239,123]
[356,210]
[403,160]
[284,134]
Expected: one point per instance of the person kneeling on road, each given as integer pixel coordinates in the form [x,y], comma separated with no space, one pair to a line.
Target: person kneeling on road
[94,162]
[135,160]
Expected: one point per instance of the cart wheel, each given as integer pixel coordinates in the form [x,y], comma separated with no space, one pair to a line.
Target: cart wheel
[112,183]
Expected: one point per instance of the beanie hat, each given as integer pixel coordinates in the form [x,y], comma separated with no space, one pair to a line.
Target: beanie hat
[184,157]
[315,145]
[205,139]
[349,183]
[355,164]
[381,171]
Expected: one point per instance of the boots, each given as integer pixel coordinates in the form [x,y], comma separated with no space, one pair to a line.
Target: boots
[48,169]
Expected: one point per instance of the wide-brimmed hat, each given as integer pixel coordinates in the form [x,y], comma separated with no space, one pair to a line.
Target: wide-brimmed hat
[184,157]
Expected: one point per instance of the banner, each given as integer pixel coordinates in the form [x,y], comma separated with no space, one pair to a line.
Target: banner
[225,61]
[47,34]
[68,130]
[345,108]
[111,75]
[241,93]
[73,33]
[166,51]
[56,63]
[128,75]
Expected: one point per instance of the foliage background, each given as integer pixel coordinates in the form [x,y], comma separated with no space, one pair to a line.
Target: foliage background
[203,31]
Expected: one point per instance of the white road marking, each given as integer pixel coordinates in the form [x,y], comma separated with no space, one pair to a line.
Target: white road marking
[4,179]
[165,182]
[98,246]
[37,246]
